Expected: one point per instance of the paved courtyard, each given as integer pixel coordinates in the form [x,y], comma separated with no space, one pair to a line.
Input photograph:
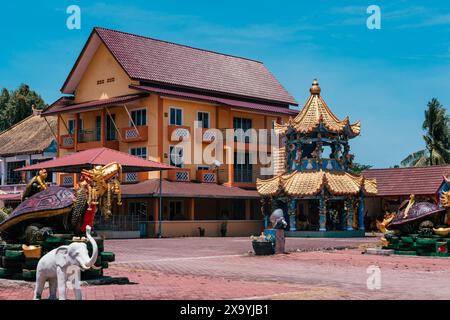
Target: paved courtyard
[222,268]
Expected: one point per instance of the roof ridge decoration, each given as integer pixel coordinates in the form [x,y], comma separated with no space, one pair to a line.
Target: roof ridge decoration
[315,113]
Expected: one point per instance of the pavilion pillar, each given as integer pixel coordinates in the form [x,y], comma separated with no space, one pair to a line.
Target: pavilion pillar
[156,214]
[322,212]
[361,212]
[263,202]
[247,209]
[292,214]
[192,209]
[349,210]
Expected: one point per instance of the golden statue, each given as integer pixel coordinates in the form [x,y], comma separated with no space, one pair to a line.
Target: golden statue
[382,226]
[36,184]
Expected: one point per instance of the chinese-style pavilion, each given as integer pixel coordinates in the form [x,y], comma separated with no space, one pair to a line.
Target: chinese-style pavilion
[315,189]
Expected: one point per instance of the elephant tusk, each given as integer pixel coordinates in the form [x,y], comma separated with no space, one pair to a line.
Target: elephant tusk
[96,268]
[84,267]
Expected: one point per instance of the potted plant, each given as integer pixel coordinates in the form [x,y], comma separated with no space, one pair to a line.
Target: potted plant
[223,228]
[263,244]
[202,231]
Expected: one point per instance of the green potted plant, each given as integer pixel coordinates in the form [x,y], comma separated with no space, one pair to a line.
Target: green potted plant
[263,245]
[223,228]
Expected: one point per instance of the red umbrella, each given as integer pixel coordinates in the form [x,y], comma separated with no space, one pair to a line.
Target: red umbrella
[75,162]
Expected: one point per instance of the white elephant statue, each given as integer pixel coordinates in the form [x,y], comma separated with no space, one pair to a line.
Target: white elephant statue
[63,262]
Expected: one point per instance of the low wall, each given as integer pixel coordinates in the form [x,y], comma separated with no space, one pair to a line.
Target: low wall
[235,228]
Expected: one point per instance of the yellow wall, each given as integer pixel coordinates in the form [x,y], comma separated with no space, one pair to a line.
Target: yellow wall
[102,66]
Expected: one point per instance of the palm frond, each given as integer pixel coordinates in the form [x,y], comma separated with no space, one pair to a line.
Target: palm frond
[413,158]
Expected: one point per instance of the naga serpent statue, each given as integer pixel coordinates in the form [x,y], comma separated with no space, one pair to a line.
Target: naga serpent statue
[56,209]
[415,217]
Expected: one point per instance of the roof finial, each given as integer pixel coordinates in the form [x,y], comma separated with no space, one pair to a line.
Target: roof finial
[315,89]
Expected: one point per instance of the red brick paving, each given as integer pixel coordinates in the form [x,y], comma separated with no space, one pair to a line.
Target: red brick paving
[218,268]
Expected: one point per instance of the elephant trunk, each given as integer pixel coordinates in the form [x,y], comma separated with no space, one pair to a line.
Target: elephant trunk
[94,256]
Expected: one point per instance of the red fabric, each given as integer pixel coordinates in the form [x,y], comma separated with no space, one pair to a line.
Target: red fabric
[89,217]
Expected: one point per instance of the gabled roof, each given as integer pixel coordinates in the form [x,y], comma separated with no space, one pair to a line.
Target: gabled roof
[32,135]
[316,112]
[406,181]
[162,62]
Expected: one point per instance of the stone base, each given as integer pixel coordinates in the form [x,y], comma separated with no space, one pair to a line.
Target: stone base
[379,252]
[326,234]
[280,241]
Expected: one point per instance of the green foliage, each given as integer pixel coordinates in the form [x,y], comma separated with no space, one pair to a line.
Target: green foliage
[16,105]
[357,168]
[437,138]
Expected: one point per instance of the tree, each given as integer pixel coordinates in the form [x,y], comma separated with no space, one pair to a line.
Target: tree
[357,168]
[16,105]
[437,138]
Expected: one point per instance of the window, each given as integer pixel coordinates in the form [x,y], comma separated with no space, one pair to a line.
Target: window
[203,117]
[202,168]
[110,127]
[243,172]
[14,177]
[176,156]
[139,152]
[176,210]
[137,211]
[176,116]
[139,117]
[98,128]
[71,126]
[244,124]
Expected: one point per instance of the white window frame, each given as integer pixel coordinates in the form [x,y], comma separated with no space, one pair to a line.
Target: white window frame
[139,109]
[209,118]
[170,154]
[182,116]
[144,147]
[74,125]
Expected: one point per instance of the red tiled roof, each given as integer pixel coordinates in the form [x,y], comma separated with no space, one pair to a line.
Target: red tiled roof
[168,63]
[150,188]
[98,156]
[61,106]
[213,99]
[406,181]
[11,197]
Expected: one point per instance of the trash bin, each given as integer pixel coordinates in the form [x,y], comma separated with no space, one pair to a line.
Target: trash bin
[143,229]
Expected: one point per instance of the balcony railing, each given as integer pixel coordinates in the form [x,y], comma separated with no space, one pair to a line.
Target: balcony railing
[314,164]
[178,133]
[240,136]
[179,175]
[133,134]
[89,135]
[66,141]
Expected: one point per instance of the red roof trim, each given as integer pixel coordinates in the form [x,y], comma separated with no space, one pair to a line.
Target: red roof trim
[223,101]
[93,104]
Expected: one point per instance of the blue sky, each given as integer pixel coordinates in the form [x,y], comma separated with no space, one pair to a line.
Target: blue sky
[382,77]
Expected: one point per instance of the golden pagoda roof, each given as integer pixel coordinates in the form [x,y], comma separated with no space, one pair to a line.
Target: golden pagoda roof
[302,184]
[315,112]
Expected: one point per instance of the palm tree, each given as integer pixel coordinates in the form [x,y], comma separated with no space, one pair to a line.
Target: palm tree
[437,138]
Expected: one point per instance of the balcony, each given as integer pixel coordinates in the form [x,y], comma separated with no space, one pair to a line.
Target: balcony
[179,175]
[66,141]
[91,138]
[207,176]
[134,134]
[178,133]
